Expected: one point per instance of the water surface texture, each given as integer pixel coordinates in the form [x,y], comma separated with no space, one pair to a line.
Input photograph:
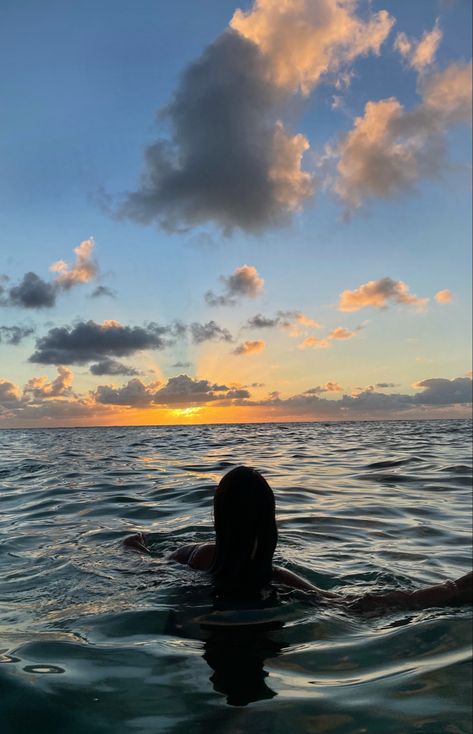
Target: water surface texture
[95,638]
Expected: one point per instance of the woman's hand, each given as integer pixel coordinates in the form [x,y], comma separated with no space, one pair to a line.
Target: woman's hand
[136,542]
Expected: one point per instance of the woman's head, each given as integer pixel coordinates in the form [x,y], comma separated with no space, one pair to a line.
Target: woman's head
[245,529]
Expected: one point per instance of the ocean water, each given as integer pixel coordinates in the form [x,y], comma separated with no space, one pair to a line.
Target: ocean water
[97,639]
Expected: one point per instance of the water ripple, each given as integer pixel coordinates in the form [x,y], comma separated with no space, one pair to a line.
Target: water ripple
[97,639]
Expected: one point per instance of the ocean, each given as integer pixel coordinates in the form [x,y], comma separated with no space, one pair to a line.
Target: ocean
[97,639]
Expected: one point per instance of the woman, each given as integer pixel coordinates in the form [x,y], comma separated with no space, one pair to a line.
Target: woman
[240,561]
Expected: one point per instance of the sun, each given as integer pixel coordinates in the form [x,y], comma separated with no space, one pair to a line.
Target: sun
[186,412]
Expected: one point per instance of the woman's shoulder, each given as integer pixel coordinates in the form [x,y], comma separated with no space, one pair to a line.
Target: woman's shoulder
[195,555]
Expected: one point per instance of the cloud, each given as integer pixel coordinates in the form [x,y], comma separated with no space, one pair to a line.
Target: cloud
[83,270]
[328,387]
[103,290]
[15,334]
[133,394]
[88,341]
[222,163]
[444,296]
[419,54]
[338,334]
[377,294]
[341,333]
[306,321]
[304,41]
[439,391]
[41,387]
[45,401]
[286,320]
[186,390]
[181,365]
[436,394]
[262,322]
[210,331]
[292,185]
[34,292]
[390,148]
[112,367]
[244,282]
[313,342]
[447,94]
[10,394]
[250,347]
[229,158]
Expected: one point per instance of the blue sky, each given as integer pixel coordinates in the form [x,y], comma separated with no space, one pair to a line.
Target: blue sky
[83,87]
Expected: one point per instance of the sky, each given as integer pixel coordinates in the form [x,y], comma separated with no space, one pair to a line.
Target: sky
[222,211]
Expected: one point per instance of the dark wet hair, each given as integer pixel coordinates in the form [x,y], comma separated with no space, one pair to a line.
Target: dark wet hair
[244,515]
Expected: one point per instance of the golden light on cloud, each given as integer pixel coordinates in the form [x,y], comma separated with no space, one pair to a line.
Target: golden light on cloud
[419,54]
[250,347]
[292,185]
[307,321]
[377,294]
[444,296]
[313,342]
[341,333]
[82,271]
[449,92]
[303,40]
[390,148]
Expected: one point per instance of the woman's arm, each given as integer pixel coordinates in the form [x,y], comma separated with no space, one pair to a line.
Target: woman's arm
[289,578]
[450,593]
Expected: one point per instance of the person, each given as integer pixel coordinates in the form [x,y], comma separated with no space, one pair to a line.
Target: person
[240,561]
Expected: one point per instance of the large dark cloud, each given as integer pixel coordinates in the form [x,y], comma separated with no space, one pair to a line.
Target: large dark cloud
[440,391]
[89,342]
[218,166]
[185,390]
[112,367]
[15,334]
[134,393]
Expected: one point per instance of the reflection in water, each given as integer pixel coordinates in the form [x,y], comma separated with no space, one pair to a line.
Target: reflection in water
[238,639]
[237,656]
